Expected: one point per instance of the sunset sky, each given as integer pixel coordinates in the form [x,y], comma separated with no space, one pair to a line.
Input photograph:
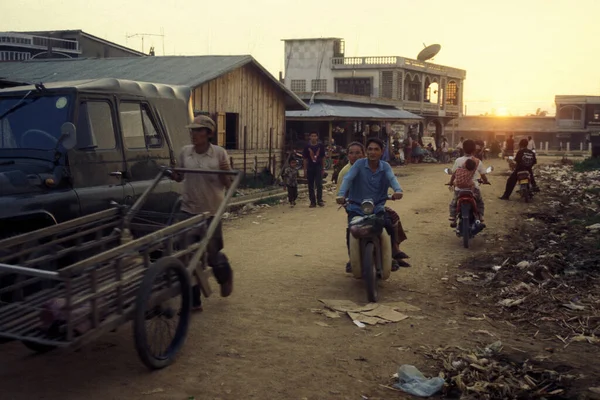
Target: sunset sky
[518,53]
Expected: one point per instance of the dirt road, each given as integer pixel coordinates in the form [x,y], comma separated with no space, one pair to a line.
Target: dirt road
[264,342]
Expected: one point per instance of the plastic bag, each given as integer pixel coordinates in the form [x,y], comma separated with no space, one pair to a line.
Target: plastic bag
[412,381]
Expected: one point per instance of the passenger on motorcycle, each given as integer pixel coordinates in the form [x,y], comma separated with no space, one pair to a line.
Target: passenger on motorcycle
[525,160]
[370,178]
[469,148]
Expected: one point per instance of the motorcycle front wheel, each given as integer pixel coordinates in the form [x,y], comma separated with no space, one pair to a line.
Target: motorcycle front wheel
[369,268]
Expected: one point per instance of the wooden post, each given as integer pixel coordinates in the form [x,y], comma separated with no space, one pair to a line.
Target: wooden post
[270,150]
[568,147]
[580,146]
[547,144]
[330,138]
[245,146]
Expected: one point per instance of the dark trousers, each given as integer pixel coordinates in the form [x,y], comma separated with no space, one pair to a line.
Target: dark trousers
[511,182]
[314,176]
[292,193]
[216,259]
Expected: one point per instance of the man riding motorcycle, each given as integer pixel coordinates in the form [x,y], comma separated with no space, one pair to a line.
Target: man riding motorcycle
[524,160]
[355,152]
[370,178]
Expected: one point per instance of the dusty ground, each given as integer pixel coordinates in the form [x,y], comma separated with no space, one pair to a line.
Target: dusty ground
[264,342]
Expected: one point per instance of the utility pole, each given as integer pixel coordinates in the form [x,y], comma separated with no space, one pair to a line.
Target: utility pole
[142,35]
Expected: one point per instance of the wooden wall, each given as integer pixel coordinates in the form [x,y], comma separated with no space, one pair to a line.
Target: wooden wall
[258,101]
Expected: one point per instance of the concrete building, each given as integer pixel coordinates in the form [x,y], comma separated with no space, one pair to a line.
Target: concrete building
[430,90]
[21,46]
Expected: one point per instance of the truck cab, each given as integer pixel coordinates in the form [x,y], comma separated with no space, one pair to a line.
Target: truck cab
[69,149]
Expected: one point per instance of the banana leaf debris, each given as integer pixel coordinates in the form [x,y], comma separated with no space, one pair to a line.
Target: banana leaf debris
[488,373]
[546,274]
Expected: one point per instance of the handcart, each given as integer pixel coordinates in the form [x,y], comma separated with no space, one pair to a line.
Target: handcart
[68,284]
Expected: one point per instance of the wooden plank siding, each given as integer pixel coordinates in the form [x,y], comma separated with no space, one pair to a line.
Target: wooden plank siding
[259,104]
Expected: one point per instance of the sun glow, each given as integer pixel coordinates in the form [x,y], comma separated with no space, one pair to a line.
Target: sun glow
[502,112]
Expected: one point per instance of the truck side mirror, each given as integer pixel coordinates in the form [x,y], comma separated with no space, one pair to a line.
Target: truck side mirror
[68,136]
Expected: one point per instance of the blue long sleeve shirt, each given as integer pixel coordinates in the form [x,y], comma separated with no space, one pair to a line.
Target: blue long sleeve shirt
[360,183]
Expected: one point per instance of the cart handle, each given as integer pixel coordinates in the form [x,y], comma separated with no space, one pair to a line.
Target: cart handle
[163,173]
[30,271]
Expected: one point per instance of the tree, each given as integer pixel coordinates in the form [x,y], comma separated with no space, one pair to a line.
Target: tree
[540,113]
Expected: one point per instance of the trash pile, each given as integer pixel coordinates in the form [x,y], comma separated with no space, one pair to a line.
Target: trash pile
[486,373]
[547,276]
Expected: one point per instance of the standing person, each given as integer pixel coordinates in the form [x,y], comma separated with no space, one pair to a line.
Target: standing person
[314,169]
[205,193]
[530,143]
[290,176]
[525,160]
[459,147]
[510,146]
[445,149]
[407,149]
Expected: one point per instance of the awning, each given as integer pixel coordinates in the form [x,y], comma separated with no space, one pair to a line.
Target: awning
[327,112]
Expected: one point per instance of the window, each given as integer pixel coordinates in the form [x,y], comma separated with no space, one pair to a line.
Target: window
[95,126]
[358,86]
[298,85]
[139,132]
[318,85]
[387,84]
[569,112]
[452,94]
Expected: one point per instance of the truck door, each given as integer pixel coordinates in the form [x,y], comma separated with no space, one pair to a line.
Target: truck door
[146,151]
[97,163]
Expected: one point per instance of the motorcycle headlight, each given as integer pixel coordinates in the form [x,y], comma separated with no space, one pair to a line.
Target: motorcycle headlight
[367,207]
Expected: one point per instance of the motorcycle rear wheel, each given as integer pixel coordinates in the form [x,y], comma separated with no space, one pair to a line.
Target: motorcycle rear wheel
[369,269]
[466,225]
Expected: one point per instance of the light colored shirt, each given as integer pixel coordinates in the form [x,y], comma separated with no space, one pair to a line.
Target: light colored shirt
[360,183]
[203,192]
[341,176]
[531,145]
[460,163]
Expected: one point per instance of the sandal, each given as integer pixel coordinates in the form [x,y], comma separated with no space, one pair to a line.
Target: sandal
[400,255]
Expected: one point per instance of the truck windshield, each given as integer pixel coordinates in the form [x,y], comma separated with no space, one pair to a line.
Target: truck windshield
[33,122]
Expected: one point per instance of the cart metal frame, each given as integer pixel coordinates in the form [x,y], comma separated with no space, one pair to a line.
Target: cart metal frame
[100,277]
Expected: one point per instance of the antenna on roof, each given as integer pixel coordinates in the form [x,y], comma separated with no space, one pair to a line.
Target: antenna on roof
[142,35]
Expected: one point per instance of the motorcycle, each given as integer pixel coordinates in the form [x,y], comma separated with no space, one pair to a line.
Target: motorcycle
[370,248]
[468,222]
[511,163]
[525,189]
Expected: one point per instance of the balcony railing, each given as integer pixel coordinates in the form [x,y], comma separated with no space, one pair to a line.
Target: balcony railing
[394,61]
[570,123]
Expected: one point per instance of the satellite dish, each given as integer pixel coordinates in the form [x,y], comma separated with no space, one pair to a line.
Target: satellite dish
[429,52]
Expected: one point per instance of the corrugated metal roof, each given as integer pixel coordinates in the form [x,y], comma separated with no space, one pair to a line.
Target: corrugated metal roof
[326,110]
[189,71]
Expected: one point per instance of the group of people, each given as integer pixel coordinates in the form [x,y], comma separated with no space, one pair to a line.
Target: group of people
[365,176]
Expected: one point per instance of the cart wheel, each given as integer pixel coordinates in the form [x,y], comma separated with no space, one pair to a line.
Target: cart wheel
[161,324]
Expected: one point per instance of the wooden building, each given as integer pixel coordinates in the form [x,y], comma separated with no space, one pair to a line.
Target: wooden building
[245,100]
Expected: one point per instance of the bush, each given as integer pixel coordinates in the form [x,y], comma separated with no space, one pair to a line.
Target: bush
[589,164]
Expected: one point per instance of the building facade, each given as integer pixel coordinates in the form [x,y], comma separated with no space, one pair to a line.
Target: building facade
[22,46]
[432,91]
[579,117]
